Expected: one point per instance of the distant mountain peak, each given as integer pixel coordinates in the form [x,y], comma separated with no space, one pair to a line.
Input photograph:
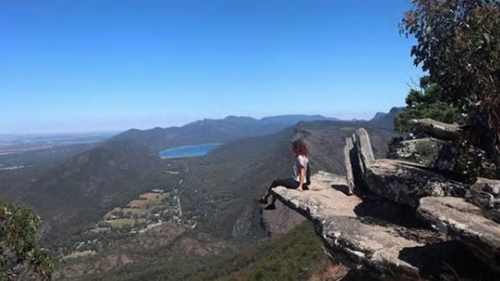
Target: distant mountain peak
[386,120]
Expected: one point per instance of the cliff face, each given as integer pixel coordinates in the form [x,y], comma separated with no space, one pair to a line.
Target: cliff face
[407,220]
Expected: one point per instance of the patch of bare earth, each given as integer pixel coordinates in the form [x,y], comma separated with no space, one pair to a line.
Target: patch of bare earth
[104,264]
[329,271]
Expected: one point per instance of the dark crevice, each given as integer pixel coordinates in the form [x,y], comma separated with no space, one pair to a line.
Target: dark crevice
[445,260]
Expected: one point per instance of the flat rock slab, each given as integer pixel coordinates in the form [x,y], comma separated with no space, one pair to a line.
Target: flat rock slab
[325,197]
[378,247]
[436,129]
[461,219]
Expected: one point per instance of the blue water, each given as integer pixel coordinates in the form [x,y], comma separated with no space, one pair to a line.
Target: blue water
[189,151]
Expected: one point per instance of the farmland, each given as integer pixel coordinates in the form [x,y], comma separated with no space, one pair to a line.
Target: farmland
[150,208]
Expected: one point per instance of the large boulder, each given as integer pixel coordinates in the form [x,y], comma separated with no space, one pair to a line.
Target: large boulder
[485,193]
[429,152]
[406,182]
[399,181]
[465,221]
[364,149]
[436,129]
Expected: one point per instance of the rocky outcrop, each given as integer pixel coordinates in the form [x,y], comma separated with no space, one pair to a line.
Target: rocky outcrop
[436,129]
[349,146]
[406,183]
[464,221]
[360,244]
[364,149]
[429,152]
[455,223]
[366,244]
[400,181]
[485,193]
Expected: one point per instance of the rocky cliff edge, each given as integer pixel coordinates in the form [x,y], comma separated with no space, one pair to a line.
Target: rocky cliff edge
[407,220]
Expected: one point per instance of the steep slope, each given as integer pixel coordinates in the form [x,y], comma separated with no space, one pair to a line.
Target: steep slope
[220,190]
[80,190]
[34,165]
[168,245]
[302,249]
[386,120]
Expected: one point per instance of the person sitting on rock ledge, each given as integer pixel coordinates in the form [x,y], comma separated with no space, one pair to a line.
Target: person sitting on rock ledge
[301,174]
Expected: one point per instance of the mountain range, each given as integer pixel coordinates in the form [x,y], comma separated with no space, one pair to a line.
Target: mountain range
[213,130]
[217,192]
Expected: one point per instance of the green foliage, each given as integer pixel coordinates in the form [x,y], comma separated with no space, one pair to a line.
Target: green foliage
[458,43]
[21,256]
[425,103]
[292,256]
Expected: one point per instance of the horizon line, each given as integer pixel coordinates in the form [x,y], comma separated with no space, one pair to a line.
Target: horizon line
[113,131]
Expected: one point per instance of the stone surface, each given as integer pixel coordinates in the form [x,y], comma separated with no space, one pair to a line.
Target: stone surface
[436,129]
[361,243]
[364,148]
[349,146]
[399,181]
[429,152]
[465,221]
[485,193]
[381,234]
[406,182]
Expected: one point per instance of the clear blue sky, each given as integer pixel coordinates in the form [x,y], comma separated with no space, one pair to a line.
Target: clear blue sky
[84,65]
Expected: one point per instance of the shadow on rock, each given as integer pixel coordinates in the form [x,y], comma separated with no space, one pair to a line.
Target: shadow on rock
[356,275]
[449,260]
[341,187]
[387,211]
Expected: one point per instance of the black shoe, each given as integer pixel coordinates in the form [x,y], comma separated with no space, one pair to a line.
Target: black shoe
[270,207]
[262,201]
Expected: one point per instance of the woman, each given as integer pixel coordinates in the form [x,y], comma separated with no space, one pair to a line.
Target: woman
[300,179]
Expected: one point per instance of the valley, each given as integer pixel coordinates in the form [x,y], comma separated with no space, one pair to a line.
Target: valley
[119,203]
[149,210]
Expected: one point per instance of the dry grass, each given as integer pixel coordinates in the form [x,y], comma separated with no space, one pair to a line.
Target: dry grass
[150,196]
[79,254]
[329,271]
[150,199]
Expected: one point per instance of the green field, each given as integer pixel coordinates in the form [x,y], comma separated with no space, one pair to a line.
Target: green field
[146,204]
[135,211]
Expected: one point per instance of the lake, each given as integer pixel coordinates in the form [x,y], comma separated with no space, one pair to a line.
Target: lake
[189,151]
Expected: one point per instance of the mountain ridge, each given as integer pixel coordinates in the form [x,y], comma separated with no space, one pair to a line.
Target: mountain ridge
[386,120]
[214,130]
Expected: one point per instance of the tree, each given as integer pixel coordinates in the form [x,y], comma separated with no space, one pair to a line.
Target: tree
[425,103]
[21,256]
[458,44]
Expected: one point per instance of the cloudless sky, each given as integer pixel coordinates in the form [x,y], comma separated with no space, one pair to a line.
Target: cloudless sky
[87,65]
